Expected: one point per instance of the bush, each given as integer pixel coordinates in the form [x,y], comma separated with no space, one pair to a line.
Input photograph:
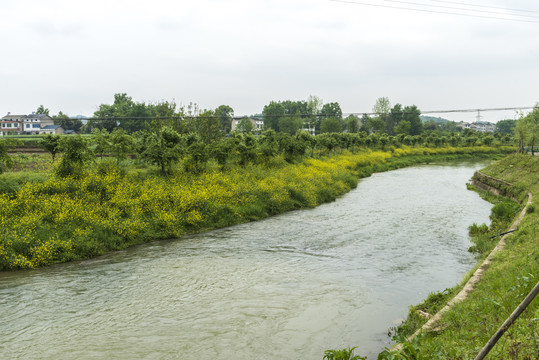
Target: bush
[504,211]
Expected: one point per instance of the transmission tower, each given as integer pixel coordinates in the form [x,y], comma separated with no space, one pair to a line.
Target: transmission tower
[479,116]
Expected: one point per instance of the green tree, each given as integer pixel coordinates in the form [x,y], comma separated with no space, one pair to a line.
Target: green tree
[103,118]
[197,154]
[247,150]
[164,149]
[207,126]
[412,115]
[330,125]
[271,115]
[290,124]
[75,155]
[6,162]
[352,124]
[51,143]
[314,108]
[331,110]
[42,110]
[221,150]
[101,141]
[531,128]
[393,118]
[225,114]
[124,112]
[382,106]
[67,123]
[403,127]
[373,124]
[245,125]
[121,144]
[505,127]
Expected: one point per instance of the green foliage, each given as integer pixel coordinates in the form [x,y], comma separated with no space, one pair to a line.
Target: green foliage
[67,123]
[344,354]
[331,125]
[163,148]
[51,143]
[290,124]
[504,211]
[120,144]
[245,125]
[475,229]
[6,162]
[224,114]
[506,127]
[408,351]
[75,155]
[403,127]
[332,109]
[42,110]
[272,113]
[101,141]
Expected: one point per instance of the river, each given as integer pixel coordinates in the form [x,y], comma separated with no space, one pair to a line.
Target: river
[287,287]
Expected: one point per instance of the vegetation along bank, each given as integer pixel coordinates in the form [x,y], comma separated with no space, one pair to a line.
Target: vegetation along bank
[94,198]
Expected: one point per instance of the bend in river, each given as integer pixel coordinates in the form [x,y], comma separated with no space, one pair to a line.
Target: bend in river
[290,286]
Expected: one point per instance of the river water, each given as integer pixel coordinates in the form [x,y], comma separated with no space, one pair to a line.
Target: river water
[288,287]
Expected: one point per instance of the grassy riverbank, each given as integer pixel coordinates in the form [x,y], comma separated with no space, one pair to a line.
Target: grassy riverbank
[46,219]
[467,326]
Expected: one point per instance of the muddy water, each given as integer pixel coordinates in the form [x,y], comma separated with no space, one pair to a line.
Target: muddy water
[288,287]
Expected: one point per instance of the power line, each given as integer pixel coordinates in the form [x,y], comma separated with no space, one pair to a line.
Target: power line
[459,8]
[484,6]
[433,11]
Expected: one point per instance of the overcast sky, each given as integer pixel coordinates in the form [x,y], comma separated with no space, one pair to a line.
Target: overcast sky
[73,55]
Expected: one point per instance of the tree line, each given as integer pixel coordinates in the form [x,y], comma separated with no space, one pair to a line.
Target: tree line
[312,115]
[166,147]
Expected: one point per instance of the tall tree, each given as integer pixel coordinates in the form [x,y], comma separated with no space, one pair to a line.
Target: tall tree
[164,149]
[51,143]
[207,126]
[124,112]
[314,108]
[331,110]
[121,144]
[42,110]
[382,106]
[225,114]
[331,125]
[271,115]
[290,124]
[393,118]
[352,124]
[506,126]
[75,155]
[412,115]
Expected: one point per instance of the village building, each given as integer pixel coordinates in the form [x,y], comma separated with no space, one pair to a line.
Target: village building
[33,124]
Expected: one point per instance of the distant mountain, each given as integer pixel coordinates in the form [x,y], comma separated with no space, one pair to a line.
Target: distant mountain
[438,120]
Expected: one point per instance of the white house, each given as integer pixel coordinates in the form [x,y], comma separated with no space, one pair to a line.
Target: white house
[25,124]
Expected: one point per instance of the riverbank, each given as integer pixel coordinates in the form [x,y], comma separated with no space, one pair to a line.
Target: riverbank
[52,220]
[466,326]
